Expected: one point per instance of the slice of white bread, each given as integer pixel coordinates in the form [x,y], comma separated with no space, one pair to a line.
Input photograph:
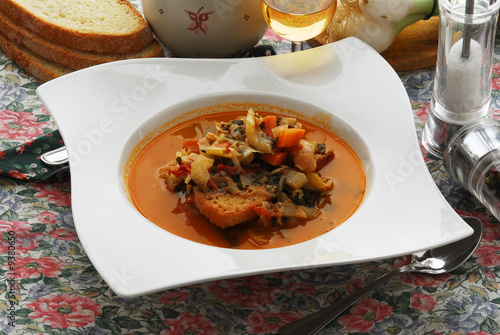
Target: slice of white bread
[34,64]
[105,26]
[63,55]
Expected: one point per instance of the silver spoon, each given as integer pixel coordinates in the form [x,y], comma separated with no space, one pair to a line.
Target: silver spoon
[435,261]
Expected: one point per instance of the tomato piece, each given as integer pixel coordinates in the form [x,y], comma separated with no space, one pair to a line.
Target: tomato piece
[250,170]
[263,212]
[212,185]
[180,170]
[191,145]
[289,137]
[225,146]
[230,170]
[275,159]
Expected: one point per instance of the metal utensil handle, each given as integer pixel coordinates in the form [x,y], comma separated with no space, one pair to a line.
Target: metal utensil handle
[313,323]
[55,157]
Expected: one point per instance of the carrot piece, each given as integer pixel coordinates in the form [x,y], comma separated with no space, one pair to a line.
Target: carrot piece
[275,159]
[290,137]
[269,123]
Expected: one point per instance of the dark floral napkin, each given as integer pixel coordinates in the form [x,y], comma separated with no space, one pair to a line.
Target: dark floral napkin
[26,127]
[23,161]
[261,50]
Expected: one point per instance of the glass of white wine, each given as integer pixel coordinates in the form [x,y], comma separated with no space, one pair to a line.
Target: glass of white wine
[298,20]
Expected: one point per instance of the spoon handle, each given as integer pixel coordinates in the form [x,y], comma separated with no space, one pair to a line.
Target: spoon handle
[57,156]
[313,323]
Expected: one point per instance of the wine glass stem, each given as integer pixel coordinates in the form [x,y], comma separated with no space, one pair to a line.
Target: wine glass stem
[297,46]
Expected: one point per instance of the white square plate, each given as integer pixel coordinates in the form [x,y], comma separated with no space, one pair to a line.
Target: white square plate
[104,111]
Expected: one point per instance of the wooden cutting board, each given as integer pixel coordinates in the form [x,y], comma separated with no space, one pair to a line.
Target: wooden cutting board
[414,48]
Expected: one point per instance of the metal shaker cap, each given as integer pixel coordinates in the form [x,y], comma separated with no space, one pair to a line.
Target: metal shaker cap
[468,146]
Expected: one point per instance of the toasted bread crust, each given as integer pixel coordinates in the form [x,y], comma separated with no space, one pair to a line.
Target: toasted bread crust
[122,42]
[226,210]
[73,59]
[37,66]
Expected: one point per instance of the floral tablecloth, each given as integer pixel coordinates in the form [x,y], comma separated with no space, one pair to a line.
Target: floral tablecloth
[49,286]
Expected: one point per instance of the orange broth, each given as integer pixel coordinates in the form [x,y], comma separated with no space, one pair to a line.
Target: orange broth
[166,209]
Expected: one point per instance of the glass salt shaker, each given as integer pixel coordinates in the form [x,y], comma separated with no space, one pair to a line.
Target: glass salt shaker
[472,157]
[462,85]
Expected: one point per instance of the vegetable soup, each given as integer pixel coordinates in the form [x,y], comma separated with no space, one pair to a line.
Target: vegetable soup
[247,180]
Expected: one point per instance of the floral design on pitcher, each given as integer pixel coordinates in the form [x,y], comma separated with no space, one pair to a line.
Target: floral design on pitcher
[198,19]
